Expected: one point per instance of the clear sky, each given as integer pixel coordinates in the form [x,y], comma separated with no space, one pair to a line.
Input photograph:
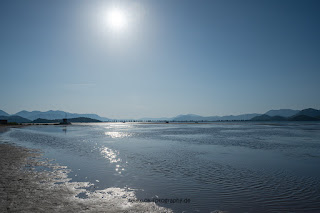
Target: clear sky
[214,57]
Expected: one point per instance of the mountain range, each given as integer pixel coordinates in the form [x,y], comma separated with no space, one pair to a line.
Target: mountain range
[53,115]
[49,116]
[191,117]
[75,120]
[276,115]
[272,115]
[282,112]
[287,115]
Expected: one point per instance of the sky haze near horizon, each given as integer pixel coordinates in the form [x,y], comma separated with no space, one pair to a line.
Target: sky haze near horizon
[218,57]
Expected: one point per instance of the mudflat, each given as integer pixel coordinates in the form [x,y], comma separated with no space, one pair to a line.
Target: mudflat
[29,183]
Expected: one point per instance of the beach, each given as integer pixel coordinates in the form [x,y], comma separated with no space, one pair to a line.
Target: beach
[29,183]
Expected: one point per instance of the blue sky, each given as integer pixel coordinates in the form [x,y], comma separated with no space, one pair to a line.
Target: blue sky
[214,57]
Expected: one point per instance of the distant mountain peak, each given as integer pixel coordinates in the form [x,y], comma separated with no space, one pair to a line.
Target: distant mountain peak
[282,112]
[310,112]
[309,109]
[3,113]
[22,111]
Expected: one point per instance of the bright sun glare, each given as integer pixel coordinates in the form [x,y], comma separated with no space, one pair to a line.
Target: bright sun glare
[116,19]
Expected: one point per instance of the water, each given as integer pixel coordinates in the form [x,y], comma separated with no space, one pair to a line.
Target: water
[233,167]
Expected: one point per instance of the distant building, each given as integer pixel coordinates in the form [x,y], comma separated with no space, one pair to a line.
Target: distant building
[3,121]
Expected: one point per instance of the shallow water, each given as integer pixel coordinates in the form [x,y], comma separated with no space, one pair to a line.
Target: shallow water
[234,167]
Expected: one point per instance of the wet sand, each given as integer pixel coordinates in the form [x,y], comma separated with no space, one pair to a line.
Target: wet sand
[29,183]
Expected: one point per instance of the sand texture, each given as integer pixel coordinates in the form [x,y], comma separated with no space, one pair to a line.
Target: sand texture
[28,183]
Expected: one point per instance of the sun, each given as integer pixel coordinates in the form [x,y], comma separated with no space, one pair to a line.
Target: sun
[116,19]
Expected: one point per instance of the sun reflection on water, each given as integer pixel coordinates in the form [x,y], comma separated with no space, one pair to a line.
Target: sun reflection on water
[117,134]
[119,125]
[112,156]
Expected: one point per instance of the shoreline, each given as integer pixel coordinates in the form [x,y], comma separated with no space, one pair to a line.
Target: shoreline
[4,128]
[29,183]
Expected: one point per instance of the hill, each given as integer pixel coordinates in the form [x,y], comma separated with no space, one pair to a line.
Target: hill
[238,117]
[14,118]
[303,118]
[303,115]
[265,117]
[192,117]
[3,113]
[72,120]
[282,112]
[83,120]
[53,115]
[41,120]
[309,112]
[189,117]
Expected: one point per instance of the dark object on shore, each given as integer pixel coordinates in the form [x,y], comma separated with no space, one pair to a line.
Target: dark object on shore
[4,122]
[65,122]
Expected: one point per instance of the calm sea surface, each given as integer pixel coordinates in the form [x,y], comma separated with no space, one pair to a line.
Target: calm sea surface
[233,167]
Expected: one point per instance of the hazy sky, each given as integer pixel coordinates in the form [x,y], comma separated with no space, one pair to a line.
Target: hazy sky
[214,57]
